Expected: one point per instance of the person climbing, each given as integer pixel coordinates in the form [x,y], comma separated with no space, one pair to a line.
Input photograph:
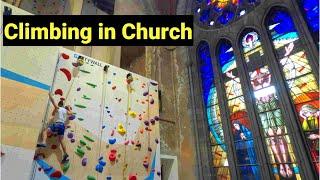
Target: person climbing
[59,122]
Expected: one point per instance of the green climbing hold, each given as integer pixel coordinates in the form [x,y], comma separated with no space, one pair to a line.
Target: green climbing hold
[86,97]
[82,142]
[88,147]
[88,138]
[79,152]
[84,71]
[80,119]
[92,85]
[80,106]
[89,177]
[65,167]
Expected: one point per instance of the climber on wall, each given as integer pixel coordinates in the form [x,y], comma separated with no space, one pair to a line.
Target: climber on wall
[60,120]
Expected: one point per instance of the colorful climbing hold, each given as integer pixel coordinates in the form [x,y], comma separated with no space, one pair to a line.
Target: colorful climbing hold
[56,174]
[146,123]
[112,157]
[133,176]
[82,142]
[58,92]
[112,140]
[65,167]
[114,87]
[65,56]
[99,168]
[121,129]
[79,152]
[89,177]
[132,114]
[145,93]
[84,71]
[53,146]
[102,163]
[157,140]
[109,178]
[112,132]
[156,118]
[84,161]
[73,140]
[88,138]
[152,121]
[88,148]
[159,173]
[80,119]
[66,73]
[92,85]
[86,97]
[78,89]
[126,142]
[80,106]
[152,101]
[149,149]
[72,117]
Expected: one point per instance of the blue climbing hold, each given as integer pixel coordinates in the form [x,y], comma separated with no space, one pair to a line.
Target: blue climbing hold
[102,163]
[112,140]
[99,168]
[109,178]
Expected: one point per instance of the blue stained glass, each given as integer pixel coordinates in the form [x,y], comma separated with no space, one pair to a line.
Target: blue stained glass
[204,17]
[281,23]
[206,70]
[225,17]
[226,57]
[311,8]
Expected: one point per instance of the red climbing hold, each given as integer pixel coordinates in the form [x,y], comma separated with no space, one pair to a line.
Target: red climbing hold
[114,87]
[56,174]
[65,56]
[113,155]
[53,146]
[58,92]
[133,177]
[66,73]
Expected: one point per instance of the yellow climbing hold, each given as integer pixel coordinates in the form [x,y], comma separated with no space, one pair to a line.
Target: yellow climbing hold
[132,114]
[121,129]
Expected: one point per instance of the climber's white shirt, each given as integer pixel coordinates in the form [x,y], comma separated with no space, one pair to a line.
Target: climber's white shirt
[61,115]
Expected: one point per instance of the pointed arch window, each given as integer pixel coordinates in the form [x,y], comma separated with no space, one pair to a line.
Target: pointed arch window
[209,92]
[240,122]
[274,130]
[301,82]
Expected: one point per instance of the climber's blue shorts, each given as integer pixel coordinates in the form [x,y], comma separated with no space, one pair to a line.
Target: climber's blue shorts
[57,128]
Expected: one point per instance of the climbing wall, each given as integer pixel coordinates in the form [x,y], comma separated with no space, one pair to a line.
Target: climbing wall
[114,132]
[26,77]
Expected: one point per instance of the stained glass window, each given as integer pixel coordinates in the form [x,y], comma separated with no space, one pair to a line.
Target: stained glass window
[301,82]
[311,11]
[241,125]
[218,146]
[277,138]
[217,13]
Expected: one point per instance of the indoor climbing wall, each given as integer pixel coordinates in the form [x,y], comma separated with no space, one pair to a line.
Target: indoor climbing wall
[26,77]
[114,131]
[57,7]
